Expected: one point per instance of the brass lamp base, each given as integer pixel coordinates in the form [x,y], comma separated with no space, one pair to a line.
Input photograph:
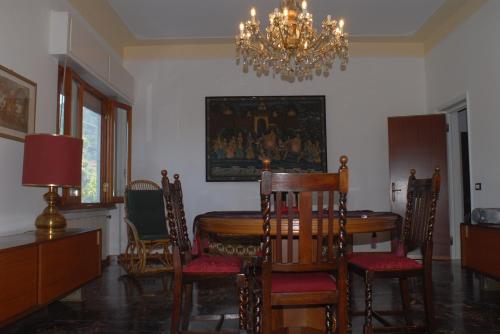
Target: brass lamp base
[50,220]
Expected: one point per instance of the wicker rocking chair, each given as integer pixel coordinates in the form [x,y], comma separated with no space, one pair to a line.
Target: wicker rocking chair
[148,237]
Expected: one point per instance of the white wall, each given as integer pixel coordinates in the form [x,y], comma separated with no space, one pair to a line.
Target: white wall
[24,37]
[169,122]
[24,27]
[468,62]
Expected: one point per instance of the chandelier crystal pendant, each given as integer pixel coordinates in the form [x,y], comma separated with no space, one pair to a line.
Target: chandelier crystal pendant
[290,46]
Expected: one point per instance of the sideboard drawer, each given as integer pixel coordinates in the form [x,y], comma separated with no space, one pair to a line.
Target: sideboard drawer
[18,278]
[36,268]
[480,248]
[68,263]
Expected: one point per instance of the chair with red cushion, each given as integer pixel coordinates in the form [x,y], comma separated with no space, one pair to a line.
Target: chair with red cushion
[190,265]
[303,269]
[416,233]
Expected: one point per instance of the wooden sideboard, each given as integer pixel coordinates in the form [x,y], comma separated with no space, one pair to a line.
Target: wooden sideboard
[480,248]
[37,268]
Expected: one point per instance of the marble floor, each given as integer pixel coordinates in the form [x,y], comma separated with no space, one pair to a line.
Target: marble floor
[116,303]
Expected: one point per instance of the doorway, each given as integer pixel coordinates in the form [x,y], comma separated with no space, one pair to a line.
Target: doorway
[458,169]
[419,142]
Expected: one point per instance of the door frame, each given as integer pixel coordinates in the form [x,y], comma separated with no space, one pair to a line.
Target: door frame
[455,187]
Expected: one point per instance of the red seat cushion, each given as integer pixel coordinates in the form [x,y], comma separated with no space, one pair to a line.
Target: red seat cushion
[284,210]
[383,262]
[302,282]
[215,264]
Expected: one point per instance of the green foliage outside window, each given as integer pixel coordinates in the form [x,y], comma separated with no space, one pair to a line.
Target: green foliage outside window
[91,157]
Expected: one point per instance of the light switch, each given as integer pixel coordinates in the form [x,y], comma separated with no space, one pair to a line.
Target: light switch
[477,186]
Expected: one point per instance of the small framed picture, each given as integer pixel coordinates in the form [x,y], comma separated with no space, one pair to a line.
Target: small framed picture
[17,105]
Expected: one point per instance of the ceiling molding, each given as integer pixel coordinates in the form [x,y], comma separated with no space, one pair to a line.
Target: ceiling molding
[109,25]
[226,50]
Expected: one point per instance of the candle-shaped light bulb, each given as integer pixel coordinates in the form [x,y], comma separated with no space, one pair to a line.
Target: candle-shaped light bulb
[252,14]
[304,5]
[242,27]
[285,12]
[341,23]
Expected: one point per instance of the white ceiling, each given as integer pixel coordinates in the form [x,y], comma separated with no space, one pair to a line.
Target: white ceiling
[195,19]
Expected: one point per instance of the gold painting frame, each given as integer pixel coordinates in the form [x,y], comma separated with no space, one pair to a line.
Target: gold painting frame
[17,105]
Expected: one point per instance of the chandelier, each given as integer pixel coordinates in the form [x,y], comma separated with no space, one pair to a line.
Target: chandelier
[290,46]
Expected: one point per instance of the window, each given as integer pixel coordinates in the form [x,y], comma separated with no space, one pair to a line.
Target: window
[91,156]
[104,125]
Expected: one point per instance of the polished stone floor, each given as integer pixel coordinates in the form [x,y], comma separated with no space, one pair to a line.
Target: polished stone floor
[116,303]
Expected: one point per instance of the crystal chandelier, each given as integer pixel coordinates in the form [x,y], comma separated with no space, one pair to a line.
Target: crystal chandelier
[290,46]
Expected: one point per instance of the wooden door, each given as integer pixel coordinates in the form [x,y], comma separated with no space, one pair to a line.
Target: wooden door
[419,142]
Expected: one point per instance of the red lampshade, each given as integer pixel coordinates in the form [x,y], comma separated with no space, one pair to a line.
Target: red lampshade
[52,160]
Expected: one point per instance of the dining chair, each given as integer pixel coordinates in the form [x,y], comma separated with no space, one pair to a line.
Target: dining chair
[416,232]
[191,265]
[148,243]
[307,265]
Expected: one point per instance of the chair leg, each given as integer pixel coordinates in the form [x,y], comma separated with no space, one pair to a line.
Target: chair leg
[368,326]
[143,252]
[349,300]
[166,282]
[405,299]
[257,315]
[177,300]
[330,320]
[132,258]
[188,305]
[428,305]
[243,294]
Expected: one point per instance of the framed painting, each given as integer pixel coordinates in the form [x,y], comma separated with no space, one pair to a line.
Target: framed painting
[242,131]
[17,105]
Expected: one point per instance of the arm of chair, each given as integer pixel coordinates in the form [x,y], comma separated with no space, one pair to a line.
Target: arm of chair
[132,231]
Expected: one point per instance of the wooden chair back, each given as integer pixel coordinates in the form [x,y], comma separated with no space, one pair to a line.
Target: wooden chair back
[420,214]
[143,185]
[306,241]
[175,213]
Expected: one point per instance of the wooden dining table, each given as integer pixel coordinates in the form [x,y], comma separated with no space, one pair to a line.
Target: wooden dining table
[249,224]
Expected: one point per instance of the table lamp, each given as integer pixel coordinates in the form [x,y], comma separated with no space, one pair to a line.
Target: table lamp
[52,161]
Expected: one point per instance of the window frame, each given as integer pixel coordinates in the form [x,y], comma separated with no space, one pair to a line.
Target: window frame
[112,107]
[108,117]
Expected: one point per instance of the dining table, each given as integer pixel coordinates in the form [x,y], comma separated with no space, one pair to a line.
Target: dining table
[248,224]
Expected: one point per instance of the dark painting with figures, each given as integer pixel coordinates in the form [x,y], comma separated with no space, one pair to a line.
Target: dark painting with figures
[243,131]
